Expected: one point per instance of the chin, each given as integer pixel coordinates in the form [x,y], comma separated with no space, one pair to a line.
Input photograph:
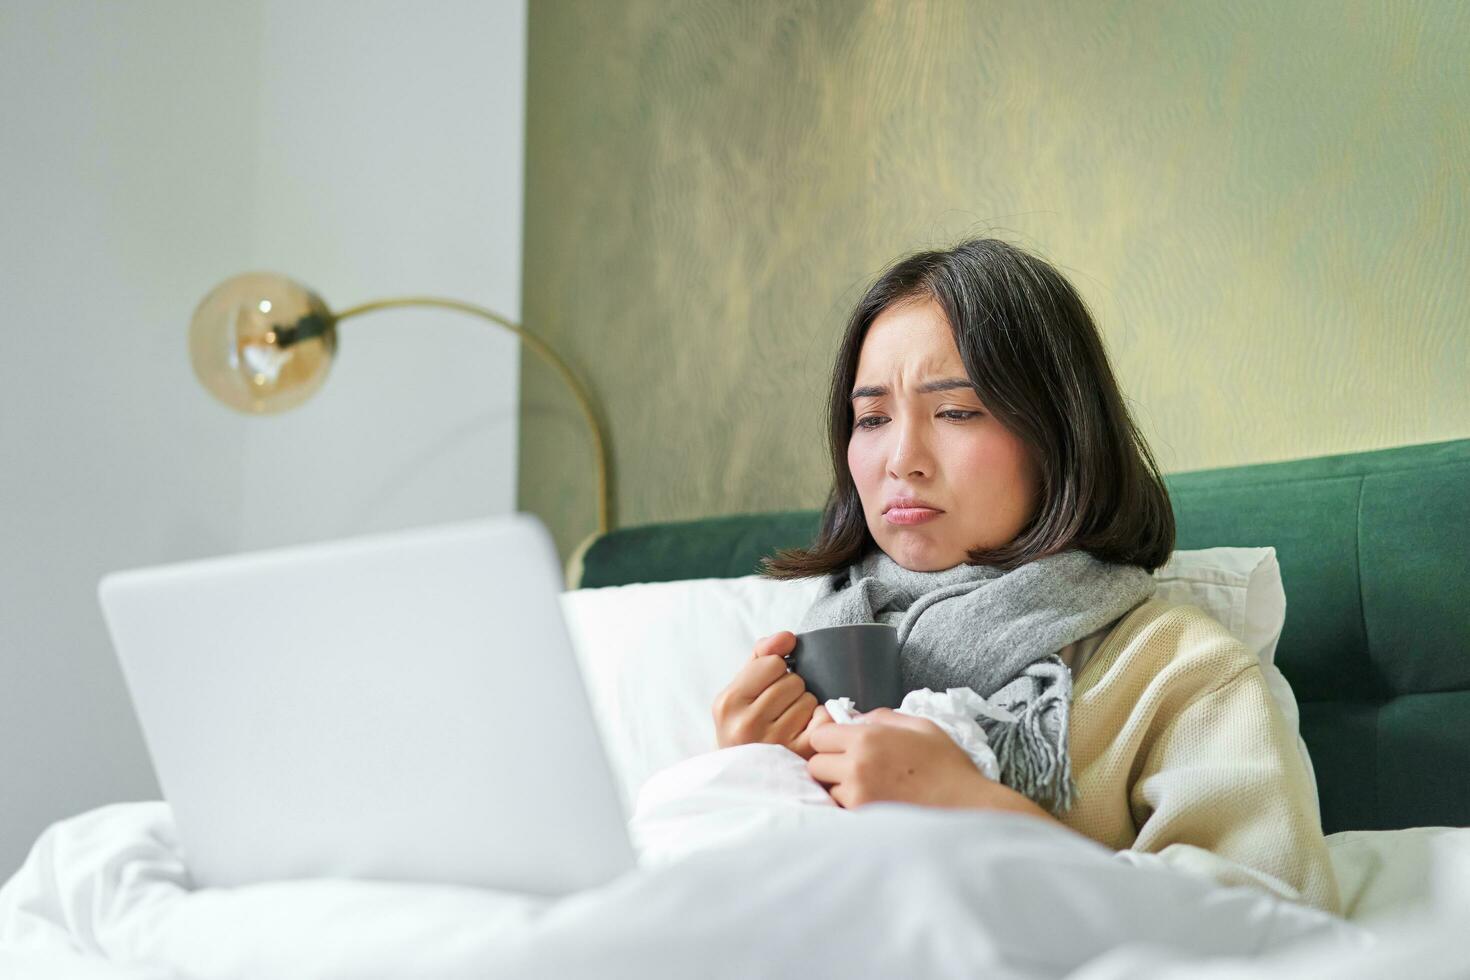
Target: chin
[916,556]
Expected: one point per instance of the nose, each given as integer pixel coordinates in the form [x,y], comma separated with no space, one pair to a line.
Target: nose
[909,455]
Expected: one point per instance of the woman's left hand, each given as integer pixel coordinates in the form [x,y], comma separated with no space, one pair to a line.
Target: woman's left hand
[904,759]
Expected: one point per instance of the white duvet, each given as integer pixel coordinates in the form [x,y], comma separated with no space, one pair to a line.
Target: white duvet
[747,872]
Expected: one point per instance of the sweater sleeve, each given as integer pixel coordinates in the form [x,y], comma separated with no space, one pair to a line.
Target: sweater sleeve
[1222,791]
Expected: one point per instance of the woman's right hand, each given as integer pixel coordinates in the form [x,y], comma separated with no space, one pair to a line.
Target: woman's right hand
[766,702]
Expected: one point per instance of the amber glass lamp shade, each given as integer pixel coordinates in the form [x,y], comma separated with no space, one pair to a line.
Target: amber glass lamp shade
[262,343]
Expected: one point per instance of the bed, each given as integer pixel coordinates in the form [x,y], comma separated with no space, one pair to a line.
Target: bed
[1372,551]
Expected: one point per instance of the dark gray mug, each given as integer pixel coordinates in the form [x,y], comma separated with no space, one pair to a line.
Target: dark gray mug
[858,662]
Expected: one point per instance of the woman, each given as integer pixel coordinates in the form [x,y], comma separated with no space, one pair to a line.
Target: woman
[994,501]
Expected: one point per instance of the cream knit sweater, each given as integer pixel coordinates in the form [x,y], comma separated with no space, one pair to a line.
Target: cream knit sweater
[1178,750]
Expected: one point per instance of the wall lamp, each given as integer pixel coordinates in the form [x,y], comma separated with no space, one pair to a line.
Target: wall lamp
[262,343]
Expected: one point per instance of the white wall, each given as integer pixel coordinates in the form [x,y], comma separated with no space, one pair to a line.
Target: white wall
[149,150]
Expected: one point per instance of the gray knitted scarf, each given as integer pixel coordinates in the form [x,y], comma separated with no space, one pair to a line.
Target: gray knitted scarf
[997,633]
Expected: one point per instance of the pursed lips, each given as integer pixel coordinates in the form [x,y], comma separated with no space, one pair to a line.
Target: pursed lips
[911,515]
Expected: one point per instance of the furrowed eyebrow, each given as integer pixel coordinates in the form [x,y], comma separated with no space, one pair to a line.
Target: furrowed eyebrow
[928,387]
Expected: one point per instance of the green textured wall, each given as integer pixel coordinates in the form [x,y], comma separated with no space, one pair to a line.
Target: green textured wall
[1267,206]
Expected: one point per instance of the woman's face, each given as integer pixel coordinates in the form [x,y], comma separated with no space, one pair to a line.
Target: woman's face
[920,431]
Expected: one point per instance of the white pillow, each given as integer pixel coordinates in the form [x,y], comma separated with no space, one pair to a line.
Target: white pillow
[654,655]
[1241,587]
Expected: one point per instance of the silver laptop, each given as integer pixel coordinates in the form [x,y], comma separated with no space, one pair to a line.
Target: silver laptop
[399,706]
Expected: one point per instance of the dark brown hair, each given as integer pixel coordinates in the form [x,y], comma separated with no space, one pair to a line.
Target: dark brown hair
[1032,351]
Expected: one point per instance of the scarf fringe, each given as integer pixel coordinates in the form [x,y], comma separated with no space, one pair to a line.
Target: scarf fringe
[1031,763]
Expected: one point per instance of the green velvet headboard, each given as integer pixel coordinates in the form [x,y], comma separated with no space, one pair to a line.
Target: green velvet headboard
[1375,558]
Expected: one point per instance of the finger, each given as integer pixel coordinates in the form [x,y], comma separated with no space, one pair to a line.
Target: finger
[793,720]
[779,696]
[777,644]
[827,769]
[756,676]
[887,716]
[833,738]
[802,745]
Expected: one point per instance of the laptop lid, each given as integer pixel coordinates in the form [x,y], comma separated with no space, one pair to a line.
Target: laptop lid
[398,706]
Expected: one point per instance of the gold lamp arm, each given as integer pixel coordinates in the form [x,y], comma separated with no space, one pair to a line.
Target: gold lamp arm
[531,341]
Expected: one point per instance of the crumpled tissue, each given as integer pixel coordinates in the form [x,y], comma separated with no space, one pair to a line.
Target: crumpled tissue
[955,712]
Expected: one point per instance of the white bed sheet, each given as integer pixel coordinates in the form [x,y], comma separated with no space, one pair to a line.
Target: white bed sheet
[748,870]
[892,890]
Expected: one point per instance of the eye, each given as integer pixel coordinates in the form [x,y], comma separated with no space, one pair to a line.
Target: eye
[871,418]
[960,412]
